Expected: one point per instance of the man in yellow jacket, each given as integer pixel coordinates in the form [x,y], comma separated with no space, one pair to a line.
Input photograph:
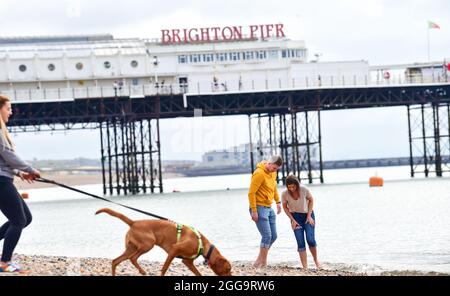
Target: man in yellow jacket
[262,192]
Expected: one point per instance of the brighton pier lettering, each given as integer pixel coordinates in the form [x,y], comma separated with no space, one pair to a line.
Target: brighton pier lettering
[217,33]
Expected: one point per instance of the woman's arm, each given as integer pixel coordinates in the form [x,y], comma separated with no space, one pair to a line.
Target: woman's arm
[13,160]
[310,200]
[310,205]
[294,223]
[286,210]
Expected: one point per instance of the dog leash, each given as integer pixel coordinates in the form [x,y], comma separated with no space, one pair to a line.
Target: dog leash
[43,180]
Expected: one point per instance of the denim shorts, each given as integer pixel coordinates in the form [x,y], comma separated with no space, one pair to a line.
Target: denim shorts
[266,226]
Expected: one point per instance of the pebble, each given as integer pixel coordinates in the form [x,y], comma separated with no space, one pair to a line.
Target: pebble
[60,266]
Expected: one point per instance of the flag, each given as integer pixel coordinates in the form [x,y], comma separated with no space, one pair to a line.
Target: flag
[432,25]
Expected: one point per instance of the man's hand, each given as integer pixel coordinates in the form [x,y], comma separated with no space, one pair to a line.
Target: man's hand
[278,208]
[255,216]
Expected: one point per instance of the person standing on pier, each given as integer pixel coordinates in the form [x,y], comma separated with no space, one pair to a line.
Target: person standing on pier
[298,206]
[262,192]
[11,202]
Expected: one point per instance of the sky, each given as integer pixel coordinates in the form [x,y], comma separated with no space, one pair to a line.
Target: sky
[379,31]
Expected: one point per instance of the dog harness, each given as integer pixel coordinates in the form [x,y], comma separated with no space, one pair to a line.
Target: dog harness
[200,244]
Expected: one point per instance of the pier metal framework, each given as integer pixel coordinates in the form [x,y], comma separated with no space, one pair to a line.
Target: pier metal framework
[35,114]
[131,156]
[294,116]
[295,136]
[302,145]
[429,138]
[263,136]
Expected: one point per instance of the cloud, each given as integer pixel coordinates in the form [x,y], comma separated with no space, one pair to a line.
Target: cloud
[381,31]
[78,16]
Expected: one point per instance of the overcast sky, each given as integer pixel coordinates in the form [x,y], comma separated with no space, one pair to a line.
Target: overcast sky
[380,31]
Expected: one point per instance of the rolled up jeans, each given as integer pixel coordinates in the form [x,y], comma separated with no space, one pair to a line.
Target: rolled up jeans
[305,229]
[266,226]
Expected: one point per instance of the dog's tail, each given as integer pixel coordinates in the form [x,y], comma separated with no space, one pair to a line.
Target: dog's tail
[116,214]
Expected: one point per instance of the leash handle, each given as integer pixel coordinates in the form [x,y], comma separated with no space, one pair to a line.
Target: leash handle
[43,180]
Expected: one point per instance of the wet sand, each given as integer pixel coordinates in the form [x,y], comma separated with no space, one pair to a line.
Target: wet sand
[69,180]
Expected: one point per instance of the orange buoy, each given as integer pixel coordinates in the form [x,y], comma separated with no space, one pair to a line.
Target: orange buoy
[24,195]
[376,181]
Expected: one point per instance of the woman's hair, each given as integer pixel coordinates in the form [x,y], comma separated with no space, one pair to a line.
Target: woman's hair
[292,180]
[3,130]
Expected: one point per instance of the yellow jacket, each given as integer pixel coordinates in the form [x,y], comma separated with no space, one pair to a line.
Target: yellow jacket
[263,187]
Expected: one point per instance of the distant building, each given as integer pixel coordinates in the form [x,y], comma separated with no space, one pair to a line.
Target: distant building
[173,166]
[234,156]
[427,72]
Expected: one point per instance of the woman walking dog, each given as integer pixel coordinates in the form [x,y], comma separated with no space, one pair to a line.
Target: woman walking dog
[11,203]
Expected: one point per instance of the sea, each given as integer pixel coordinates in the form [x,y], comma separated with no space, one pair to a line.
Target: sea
[402,226]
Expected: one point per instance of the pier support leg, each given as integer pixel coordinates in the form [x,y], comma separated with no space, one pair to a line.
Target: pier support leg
[295,136]
[131,156]
[429,137]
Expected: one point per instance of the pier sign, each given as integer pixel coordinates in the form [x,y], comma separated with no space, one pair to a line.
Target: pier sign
[229,33]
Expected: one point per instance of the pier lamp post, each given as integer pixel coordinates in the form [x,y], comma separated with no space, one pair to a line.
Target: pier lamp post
[319,78]
[155,65]
[317,55]
[115,86]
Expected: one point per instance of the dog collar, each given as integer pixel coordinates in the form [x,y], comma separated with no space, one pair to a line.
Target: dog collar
[208,255]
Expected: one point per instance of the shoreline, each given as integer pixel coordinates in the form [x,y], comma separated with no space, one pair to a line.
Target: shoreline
[67,179]
[40,265]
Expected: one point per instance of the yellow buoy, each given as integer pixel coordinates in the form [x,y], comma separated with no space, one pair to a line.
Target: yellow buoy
[376,181]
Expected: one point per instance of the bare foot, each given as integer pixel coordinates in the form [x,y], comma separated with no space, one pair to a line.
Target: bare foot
[258,264]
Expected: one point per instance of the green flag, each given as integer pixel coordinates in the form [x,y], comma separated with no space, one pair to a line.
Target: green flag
[432,25]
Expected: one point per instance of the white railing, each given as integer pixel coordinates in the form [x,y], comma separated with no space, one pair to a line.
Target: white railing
[69,93]
[212,87]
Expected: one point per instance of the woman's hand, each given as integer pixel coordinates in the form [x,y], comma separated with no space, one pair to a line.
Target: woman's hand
[295,225]
[26,177]
[37,174]
[310,220]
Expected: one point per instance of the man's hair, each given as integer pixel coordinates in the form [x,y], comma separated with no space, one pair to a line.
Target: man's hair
[276,159]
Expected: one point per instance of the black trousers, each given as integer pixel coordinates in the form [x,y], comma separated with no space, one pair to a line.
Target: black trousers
[18,214]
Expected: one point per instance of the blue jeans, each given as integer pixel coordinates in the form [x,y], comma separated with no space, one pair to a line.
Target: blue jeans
[266,226]
[307,229]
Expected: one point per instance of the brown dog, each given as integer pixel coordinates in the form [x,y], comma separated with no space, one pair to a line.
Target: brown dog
[145,234]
